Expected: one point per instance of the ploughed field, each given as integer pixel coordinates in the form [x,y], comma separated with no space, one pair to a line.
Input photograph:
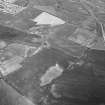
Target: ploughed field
[52,52]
